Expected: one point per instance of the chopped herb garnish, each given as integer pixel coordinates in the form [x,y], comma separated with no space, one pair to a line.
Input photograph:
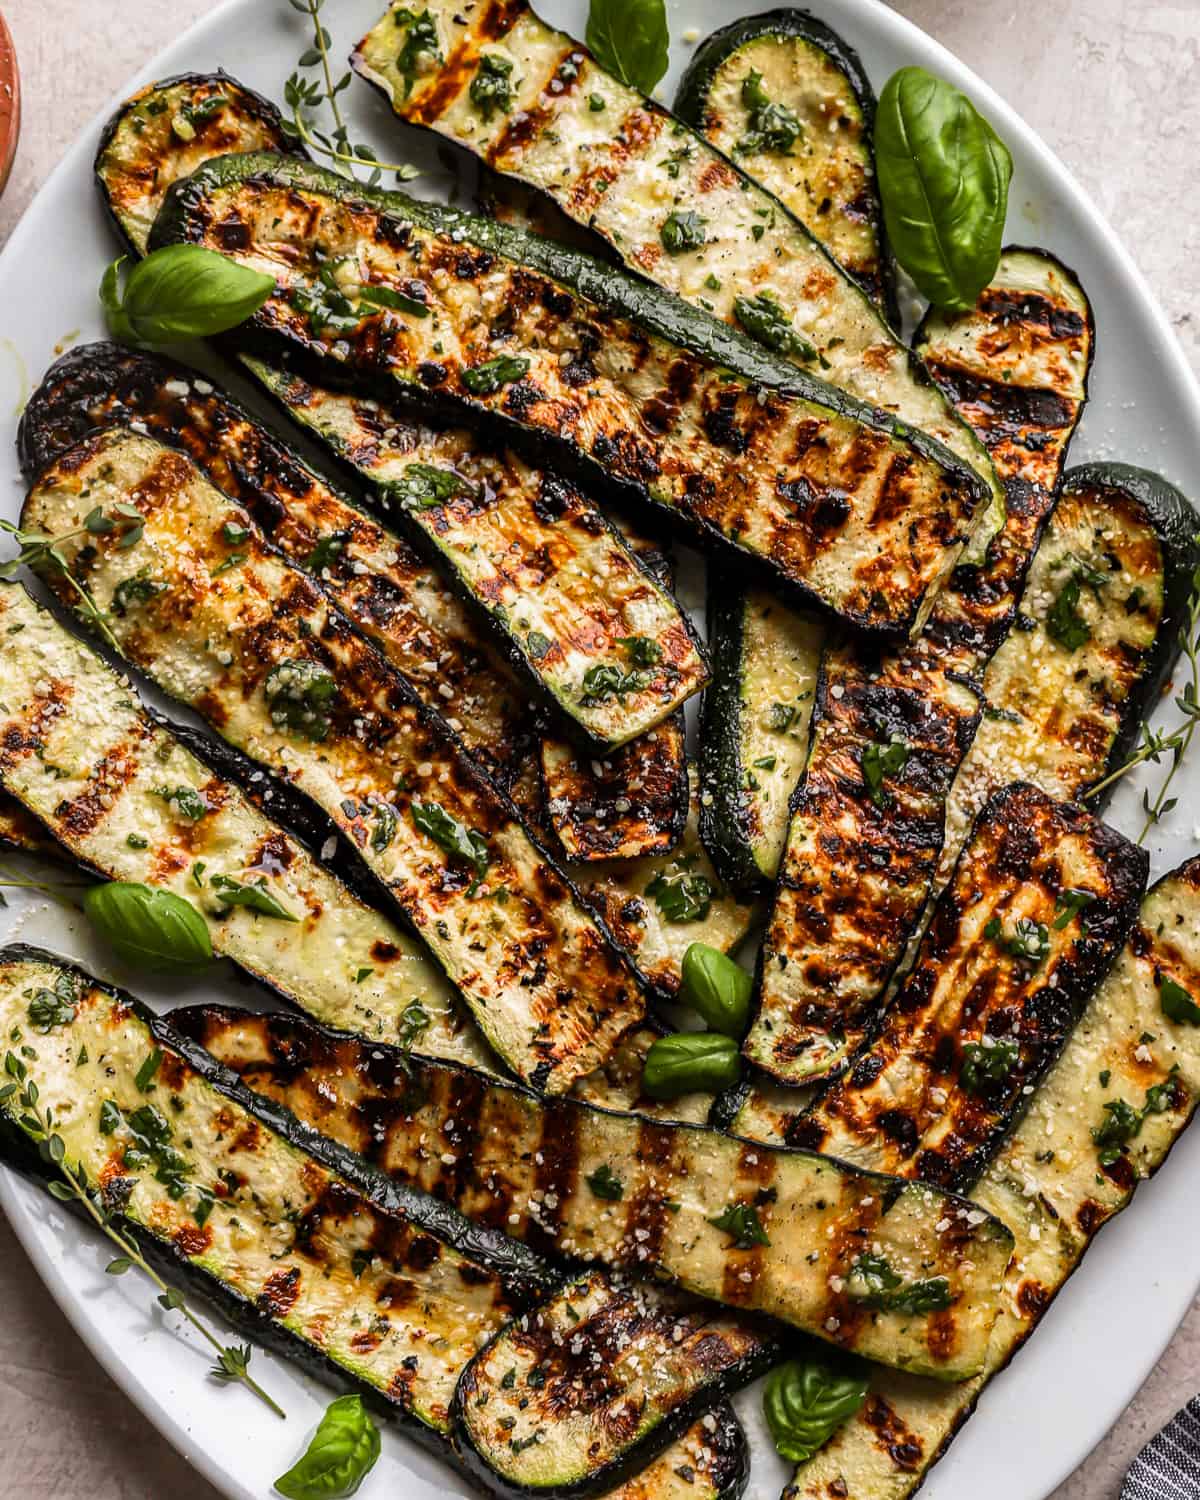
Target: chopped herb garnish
[741,1221]
[425,486]
[1028,940]
[485,379]
[253,895]
[881,761]
[873,1281]
[145,1074]
[771,127]
[491,88]
[454,837]
[184,801]
[1068,903]
[987,1062]
[136,590]
[1177,1005]
[327,550]
[1064,623]
[640,649]
[605,680]
[605,1184]
[299,697]
[682,898]
[683,230]
[54,1007]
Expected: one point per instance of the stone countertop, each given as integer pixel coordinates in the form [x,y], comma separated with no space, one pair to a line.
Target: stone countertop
[1109,84]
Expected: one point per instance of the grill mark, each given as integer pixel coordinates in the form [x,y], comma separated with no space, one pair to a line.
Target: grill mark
[647,1214]
[26,734]
[1007,306]
[82,815]
[555,1172]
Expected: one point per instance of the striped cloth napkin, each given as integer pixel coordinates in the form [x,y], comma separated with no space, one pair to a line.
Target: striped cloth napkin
[1168,1467]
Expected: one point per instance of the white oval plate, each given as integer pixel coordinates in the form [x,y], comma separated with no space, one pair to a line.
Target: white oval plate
[1110,1325]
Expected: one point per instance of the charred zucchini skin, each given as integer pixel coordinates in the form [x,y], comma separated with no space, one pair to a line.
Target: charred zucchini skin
[625,1325]
[533,527]
[859,862]
[1177,525]
[692,106]
[723,817]
[704,344]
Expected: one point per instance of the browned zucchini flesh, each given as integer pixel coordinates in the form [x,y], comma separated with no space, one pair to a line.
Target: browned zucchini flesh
[230,628]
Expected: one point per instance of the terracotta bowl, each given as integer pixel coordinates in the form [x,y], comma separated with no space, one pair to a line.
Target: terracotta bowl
[10,102]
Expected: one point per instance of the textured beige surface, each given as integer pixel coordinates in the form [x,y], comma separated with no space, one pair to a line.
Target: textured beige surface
[1109,84]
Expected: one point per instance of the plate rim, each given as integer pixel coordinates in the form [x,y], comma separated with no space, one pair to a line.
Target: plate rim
[17,1195]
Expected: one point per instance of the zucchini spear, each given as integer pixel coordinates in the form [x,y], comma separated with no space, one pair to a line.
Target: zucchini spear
[760,1229]
[838,502]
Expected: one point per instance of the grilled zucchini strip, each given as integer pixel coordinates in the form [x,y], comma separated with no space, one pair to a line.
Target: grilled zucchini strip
[84,758]
[672,207]
[526,539]
[791,1224]
[1069,689]
[538,1405]
[377,579]
[1050,1183]
[889,734]
[624,382]
[1040,905]
[789,101]
[254,645]
[314,1253]
[755,723]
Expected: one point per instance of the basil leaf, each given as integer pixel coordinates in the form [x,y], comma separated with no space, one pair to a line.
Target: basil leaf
[943,177]
[342,1453]
[628,38]
[181,292]
[717,989]
[873,1282]
[690,1062]
[253,895]
[149,928]
[806,1400]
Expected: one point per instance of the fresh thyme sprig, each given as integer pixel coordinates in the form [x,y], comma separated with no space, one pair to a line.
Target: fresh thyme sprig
[303,94]
[41,550]
[1154,744]
[38,1120]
